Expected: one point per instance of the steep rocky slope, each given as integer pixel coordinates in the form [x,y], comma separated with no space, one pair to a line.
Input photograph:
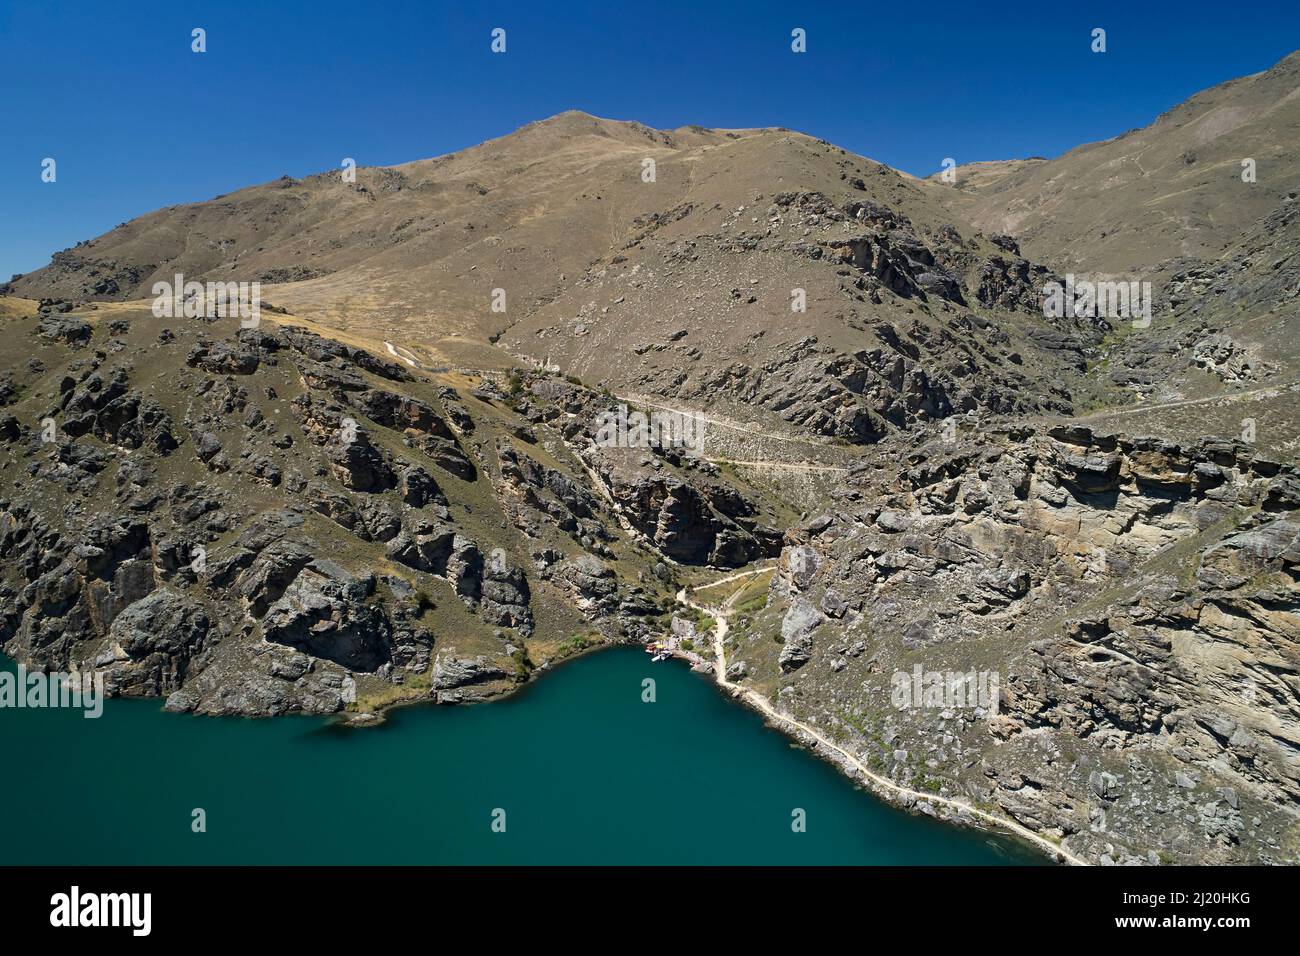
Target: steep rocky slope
[265,520]
[1136,598]
[391,491]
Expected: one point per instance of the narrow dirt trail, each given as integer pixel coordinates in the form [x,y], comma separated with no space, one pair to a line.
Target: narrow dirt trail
[883,786]
[403,354]
[788,465]
[409,357]
[748,430]
[1227,398]
[770,566]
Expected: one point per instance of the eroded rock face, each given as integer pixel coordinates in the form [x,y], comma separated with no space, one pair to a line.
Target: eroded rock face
[360,466]
[593,585]
[464,569]
[663,491]
[1138,600]
[152,642]
[61,328]
[505,593]
[453,677]
[797,628]
[224,595]
[694,523]
[323,612]
[102,404]
[224,358]
[441,550]
[419,489]
[546,494]
[420,424]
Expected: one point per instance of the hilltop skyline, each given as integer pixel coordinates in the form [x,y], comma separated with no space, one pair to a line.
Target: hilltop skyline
[950,84]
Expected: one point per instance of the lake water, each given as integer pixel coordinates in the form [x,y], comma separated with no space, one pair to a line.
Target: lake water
[585,772]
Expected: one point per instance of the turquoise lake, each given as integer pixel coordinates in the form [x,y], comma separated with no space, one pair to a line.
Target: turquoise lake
[585,771]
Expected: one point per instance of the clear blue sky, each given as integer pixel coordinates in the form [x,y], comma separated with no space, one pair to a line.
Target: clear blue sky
[137,121]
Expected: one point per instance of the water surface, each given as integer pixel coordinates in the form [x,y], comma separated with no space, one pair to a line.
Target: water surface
[585,771]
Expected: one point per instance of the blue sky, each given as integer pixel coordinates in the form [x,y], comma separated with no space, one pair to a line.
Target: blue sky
[136,121]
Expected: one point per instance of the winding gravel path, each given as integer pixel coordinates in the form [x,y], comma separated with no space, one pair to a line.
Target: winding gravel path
[882,785]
